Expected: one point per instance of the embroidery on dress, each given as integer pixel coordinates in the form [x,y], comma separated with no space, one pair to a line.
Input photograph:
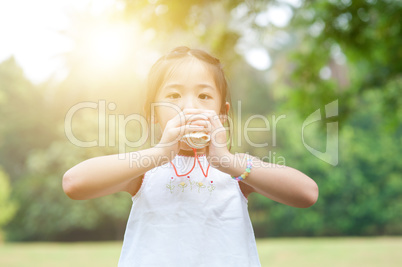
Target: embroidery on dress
[191,183]
[181,185]
[211,187]
[200,185]
[170,186]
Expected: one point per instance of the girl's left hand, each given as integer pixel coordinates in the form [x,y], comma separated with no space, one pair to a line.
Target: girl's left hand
[217,148]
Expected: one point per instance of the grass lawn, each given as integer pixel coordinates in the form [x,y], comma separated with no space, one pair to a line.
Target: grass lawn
[280,252]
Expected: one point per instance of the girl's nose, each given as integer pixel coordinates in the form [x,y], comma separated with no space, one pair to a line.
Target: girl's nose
[189,102]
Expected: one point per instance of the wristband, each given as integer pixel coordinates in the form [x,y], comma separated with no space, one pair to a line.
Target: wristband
[247,172]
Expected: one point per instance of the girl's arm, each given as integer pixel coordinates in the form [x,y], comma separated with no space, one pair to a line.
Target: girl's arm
[105,175]
[280,183]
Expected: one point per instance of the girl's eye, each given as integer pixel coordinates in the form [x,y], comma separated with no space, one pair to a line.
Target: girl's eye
[173,96]
[204,96]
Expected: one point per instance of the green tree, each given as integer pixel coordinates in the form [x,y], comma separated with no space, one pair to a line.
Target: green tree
[46,213]
[26,122]
[360,196]
[8,207]
[359,42]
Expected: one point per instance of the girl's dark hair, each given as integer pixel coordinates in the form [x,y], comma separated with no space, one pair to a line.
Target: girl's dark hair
[164,66]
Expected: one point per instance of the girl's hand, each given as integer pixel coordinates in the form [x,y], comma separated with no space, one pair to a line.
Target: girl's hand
[187,121]
[217,148]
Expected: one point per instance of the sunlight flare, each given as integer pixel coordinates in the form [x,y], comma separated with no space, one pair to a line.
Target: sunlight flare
[108,46]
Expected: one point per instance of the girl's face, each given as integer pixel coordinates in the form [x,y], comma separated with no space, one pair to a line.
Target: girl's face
[190,86]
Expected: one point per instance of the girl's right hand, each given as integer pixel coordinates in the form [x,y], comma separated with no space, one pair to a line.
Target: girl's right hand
[187,121]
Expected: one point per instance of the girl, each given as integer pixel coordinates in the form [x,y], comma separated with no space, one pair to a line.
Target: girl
[189,205]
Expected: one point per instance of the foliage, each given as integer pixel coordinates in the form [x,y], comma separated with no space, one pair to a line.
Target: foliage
[26,122]
[46,213]
[7,207]
[207,20]
[360,42]
[360,196]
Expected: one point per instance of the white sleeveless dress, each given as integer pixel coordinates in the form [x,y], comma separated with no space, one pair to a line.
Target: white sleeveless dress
[189,221]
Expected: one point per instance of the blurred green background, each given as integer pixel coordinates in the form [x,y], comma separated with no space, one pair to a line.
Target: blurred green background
[284,58]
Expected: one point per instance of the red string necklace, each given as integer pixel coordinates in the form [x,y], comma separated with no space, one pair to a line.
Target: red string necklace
[195,159]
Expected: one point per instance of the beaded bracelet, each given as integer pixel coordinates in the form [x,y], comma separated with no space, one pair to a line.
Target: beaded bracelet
[247,172]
